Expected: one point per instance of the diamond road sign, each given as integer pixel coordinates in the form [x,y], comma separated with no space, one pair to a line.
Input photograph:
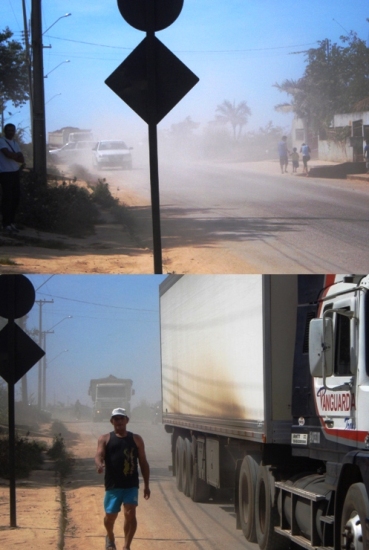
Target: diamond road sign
[26,354]
[173,80]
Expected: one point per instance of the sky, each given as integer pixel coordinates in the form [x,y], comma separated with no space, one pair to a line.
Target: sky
[237,48]
[98,325]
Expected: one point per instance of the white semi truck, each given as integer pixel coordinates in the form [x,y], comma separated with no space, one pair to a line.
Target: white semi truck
[109,393]
[265,389]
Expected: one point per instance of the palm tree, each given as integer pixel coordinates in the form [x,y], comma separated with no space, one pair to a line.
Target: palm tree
[235,115]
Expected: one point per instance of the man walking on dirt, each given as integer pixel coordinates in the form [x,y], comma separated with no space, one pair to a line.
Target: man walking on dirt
[118,453]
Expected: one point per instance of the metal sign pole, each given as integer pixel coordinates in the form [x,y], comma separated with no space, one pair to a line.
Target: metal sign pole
[153,138]
[11,407]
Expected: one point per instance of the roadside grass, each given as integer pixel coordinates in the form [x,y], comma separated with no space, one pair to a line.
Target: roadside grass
[5,260]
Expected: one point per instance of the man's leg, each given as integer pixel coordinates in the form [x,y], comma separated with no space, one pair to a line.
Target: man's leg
[6,198]
[130,524]
[109,521]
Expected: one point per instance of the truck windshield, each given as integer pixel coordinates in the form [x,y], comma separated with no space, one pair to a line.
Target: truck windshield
[110,391]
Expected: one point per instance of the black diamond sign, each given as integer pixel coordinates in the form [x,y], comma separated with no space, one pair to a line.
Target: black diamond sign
[173,80]
[27,353]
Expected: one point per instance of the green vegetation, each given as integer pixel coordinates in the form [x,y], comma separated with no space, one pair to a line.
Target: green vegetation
[65,209]
[28,456]
[13,73]
[64,460]
[5,260]
[335,81]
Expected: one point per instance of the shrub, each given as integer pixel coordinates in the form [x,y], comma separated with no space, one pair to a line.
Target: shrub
[28,456]
[65,209]
[64,460]
[102,196]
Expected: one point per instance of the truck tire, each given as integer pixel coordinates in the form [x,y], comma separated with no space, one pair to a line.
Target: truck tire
[246,496]
[179,462]
[186,465]
[354,516]
[199,489]
[266,514]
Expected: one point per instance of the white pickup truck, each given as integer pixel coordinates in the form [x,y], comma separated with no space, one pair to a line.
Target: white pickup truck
[73,152]
[112,153]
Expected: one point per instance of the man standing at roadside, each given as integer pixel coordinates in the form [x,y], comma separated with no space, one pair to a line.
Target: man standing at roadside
[118,452]
[11,160]
[283,154]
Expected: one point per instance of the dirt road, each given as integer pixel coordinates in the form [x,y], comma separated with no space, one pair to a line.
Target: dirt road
[113,248]
[166,520]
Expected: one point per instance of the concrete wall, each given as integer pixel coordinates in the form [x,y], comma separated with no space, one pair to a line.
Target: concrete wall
[331,151]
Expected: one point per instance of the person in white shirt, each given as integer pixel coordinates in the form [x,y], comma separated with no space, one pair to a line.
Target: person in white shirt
[11,160]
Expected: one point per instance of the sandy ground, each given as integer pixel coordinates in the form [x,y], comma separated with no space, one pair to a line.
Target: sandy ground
[117,249]
[38,506]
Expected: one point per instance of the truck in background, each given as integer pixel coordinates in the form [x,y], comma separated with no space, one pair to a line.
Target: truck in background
[109,393]
[59,138]
[265,389]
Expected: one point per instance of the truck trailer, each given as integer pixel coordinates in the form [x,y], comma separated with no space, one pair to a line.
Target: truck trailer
[265,391]
[110,393]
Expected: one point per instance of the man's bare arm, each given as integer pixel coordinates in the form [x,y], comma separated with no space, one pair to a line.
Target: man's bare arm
[100,453]
[12,155]
[144,465]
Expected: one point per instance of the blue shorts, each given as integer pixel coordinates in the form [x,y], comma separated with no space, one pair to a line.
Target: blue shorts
[114,498]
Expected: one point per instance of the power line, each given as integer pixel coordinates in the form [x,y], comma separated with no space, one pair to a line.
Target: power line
[98,305]
[189,51]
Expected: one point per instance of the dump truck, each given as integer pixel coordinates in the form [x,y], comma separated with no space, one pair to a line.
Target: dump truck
[68,134]
[265,391]
[109,393]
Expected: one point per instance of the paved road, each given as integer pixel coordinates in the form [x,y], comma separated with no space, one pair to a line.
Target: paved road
[276,223]
[167,520]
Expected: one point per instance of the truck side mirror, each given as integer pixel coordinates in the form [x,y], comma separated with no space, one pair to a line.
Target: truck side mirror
[321,347]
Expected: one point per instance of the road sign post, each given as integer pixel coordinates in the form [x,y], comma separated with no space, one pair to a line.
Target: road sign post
[18,353]
[152,80]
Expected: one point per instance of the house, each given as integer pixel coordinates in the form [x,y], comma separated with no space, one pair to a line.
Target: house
[300,134]
[345,140]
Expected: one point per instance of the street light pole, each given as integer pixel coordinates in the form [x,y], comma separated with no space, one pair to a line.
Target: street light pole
[48,101]
[66,61]
[61,17]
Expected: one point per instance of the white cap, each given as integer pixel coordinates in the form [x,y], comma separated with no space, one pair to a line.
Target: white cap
[118,412]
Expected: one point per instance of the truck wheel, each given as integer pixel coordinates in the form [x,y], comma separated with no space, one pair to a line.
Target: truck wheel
[354,516]
[266,515]
[186,466]
[199,489]
[246,496]
[179,461]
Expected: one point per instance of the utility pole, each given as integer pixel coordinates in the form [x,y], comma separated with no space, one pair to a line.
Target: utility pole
[40,303]
[38,95]
[43,399]
[29,63]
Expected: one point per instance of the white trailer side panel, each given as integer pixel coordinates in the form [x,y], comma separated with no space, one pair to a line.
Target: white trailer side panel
[213,348]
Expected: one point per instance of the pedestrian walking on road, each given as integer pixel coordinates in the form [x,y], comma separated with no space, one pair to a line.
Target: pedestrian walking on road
[283,154]
[366,155]
[295,157]
[11,161]
[305,151]
[119,453]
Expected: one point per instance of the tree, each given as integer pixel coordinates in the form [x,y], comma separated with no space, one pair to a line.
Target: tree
[14,85]
[336,80]
[235,115]
[183,129]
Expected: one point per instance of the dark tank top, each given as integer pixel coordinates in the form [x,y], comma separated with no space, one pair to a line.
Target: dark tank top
[121,470]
